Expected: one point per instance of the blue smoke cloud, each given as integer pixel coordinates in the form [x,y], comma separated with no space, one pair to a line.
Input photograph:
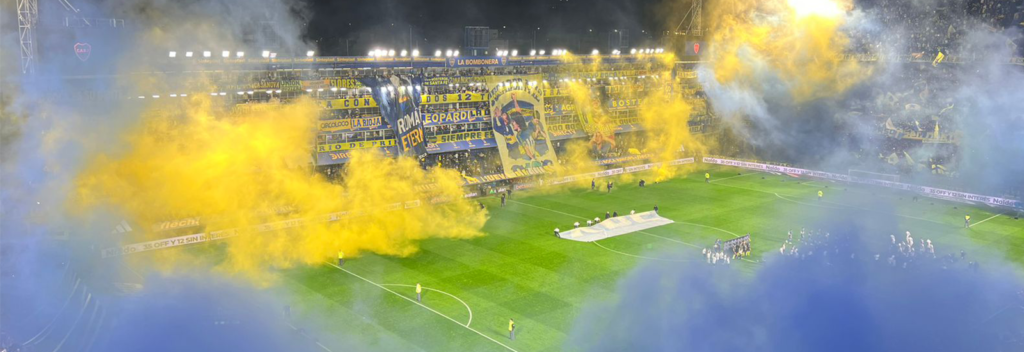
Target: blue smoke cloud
[831,302]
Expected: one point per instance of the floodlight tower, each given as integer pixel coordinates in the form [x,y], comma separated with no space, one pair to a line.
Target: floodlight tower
[692,19]
[28,16]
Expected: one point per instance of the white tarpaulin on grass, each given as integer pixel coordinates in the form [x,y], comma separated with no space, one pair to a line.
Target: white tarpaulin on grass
[616,226]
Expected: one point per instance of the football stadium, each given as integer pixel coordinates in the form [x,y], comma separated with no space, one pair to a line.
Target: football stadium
[607,175]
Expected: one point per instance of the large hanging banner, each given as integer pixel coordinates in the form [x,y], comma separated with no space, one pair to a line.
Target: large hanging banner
[520,128]
[399,100]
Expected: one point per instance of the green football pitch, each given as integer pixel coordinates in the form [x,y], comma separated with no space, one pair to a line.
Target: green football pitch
[520,270]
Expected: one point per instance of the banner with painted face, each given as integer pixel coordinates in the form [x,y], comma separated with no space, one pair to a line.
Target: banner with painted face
[520,126]
[398,98]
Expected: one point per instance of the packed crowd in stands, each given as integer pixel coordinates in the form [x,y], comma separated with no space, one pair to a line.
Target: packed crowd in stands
[477,162]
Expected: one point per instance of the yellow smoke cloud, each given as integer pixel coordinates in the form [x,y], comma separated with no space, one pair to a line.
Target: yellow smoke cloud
[238,170]
[798,40]
[664,111]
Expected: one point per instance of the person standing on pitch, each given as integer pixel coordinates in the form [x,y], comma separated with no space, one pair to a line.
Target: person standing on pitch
[341,258]
[655,208]
[502,200]
[511,329]
[967,221]
[707,177]
[419,290]
[820,194]
[593,185]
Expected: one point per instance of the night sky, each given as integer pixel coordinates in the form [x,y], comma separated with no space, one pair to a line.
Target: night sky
[439,23]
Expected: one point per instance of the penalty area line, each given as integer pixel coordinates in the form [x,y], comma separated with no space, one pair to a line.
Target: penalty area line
[421,305]
[444,293]
[989,218]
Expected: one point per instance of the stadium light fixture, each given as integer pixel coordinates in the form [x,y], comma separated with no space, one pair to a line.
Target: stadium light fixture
[249,92]
[270,92]
[318,90]
[223,93]
[240,54]
[213,94]
[277,91]
[515,52]
[448,53]
[371,53]
[533,53]
[415,52]
[309,90]
[188,54]
[391,52]
[142,97]
[225,53]
[310,53]
[183,95]
[456,54]
[172,54]
[334,89]
[207,54]
[595,52]
[404,53]
[659,50]
[273,55]
[437,53]
[266,54]
[174,95]
[632,51]
[156,96]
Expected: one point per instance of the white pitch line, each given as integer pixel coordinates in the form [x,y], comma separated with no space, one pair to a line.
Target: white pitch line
[442,292]
[813,205]
[551,210]
[421,305]
[710,227]
[133,271]
[640,256]
[317,342]
[732,177]
[989,218]
[669,239]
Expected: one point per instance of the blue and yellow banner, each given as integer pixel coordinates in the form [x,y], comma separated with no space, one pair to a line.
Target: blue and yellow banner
[351,103]
[477,61]
[352,125]
[462,136]
[461,141]
[399,100]
[453,117]
[625,103]
[342,156]
[560,109]
[452,98]
[334,147]
[520,126]
[447,81]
